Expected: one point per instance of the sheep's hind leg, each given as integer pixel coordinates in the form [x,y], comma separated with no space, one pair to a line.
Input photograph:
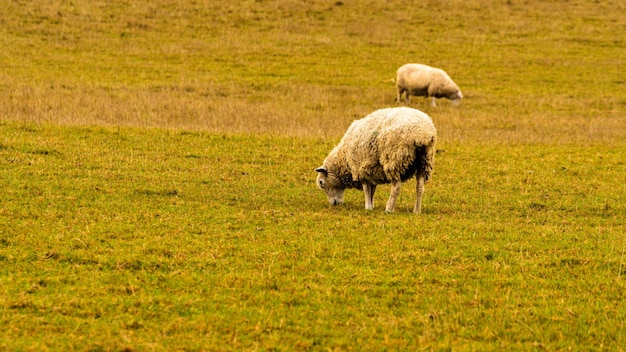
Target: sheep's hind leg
[406,95]
[433,103]
[420,192]
[396,187]
[369,190]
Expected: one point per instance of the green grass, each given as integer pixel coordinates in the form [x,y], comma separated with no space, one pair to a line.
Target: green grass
[146,239]
[156,162]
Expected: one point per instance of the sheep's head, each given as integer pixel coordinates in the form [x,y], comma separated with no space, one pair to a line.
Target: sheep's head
[330,183]
[456,98]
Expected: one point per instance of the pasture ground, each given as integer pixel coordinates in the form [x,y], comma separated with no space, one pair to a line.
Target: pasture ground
[156,161]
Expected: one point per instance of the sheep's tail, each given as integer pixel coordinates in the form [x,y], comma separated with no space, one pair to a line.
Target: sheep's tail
[428,159]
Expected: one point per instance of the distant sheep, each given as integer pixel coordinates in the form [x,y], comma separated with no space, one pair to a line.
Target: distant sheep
[388,146]
[423,80]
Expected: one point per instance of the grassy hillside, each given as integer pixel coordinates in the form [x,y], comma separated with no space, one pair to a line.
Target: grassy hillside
[156,161]
[530,70]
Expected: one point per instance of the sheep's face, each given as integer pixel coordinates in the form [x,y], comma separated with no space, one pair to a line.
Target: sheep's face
[456,98]
[330,183]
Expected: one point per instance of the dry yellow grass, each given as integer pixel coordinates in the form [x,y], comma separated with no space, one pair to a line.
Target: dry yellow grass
[311,111]
[531,72]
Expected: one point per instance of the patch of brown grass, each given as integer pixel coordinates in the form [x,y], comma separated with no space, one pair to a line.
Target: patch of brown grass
[530,72]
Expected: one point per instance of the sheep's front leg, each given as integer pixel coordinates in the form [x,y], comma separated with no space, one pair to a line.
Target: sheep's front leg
[420,192]
[395,191]
[369,190]
[433,103]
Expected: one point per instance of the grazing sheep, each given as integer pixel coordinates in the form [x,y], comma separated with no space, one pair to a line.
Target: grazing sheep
[422,80]
[388,146]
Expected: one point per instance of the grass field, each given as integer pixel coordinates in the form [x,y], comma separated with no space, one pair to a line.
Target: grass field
[157,165]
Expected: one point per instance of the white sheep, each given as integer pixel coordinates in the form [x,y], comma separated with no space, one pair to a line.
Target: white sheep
[388,146]
[423,80]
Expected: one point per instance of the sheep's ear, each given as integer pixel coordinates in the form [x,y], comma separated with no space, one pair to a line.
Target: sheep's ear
[322,169]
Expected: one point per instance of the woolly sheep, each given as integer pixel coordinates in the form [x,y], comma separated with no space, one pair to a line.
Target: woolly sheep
[388,146]
[423,80]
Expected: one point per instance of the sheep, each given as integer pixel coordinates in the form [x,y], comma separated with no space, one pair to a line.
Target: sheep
[423,80]
[388,146]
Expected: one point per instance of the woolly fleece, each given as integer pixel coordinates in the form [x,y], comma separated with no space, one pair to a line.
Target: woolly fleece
[423,80]
[388,146]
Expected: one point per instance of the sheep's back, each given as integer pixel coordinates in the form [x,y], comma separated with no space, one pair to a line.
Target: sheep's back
[382,146]
[414,76]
